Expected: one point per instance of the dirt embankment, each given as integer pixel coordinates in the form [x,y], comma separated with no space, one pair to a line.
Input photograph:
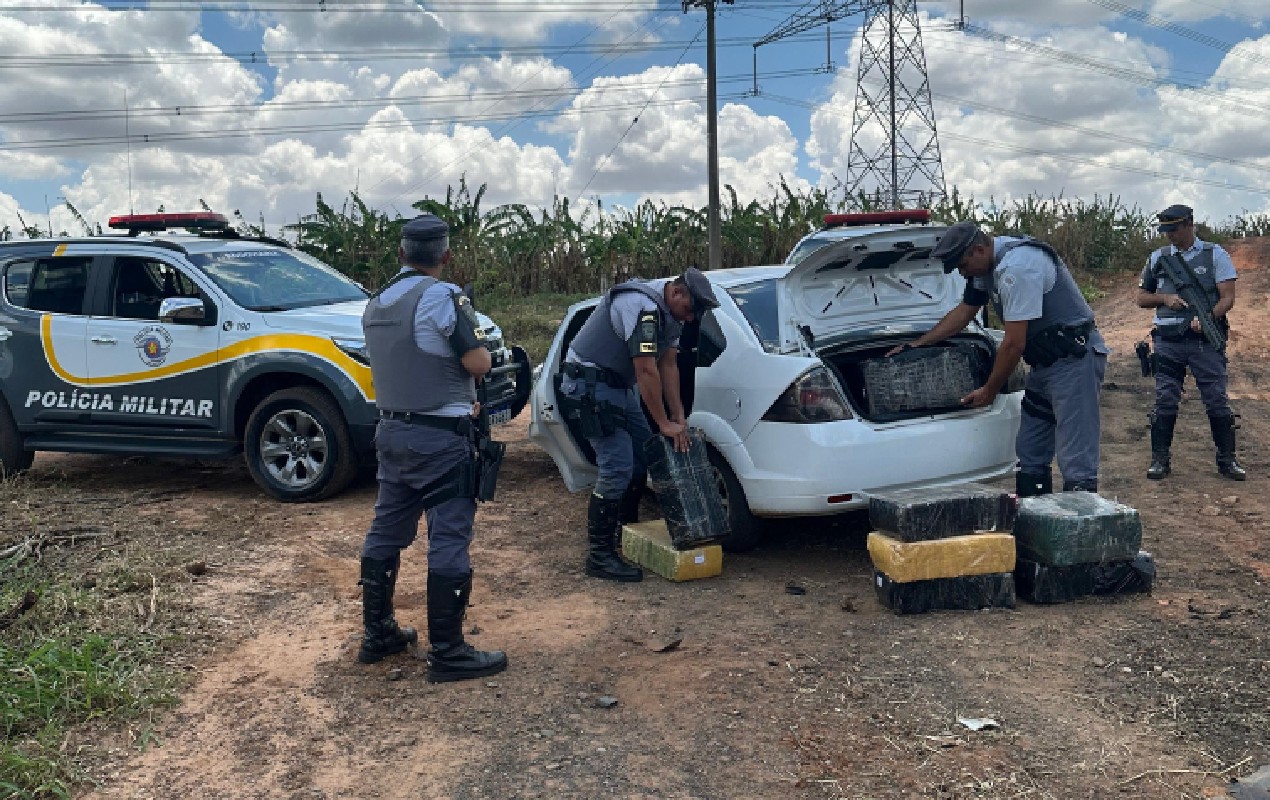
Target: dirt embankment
[768,694]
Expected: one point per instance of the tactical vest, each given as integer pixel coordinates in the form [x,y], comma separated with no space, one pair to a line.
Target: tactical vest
[1172,321]
[406,378]
[1063,304]
[598,343]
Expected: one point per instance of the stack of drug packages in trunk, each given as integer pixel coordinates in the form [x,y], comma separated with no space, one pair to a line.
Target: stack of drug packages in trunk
[943,549]
[1076,544]
[682,546]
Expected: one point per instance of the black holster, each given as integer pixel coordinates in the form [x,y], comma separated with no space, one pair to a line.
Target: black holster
[1057,341]
[595,418]
[489,460]
[1146,359]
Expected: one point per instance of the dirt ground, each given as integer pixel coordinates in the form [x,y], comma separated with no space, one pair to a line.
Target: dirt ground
[768,694]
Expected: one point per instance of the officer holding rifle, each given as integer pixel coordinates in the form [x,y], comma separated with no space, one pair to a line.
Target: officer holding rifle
[435,455]
[1191,285]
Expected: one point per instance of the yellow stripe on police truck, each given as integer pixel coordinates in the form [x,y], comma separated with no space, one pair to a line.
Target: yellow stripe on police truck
[318,346]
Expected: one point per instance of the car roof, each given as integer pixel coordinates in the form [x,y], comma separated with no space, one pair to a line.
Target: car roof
[188,242]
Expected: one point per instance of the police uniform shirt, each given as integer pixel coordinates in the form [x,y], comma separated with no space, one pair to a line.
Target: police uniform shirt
[1020,280]
[435,319]
[1223,267]
[624,314]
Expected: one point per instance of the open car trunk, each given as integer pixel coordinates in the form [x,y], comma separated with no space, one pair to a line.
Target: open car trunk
[919,382]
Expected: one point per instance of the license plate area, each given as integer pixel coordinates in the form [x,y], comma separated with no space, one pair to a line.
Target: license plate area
[500,416]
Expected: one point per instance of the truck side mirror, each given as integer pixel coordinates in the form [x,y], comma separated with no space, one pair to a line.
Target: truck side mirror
[182,310]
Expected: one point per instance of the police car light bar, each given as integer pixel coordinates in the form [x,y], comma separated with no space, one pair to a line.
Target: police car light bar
[917,215]
[196,220]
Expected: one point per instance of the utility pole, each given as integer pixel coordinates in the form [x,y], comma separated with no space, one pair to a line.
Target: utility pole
[712,131]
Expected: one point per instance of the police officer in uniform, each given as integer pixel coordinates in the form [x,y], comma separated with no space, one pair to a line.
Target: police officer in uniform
[626,351]
[425,357]
[1180,345]
[1050,326]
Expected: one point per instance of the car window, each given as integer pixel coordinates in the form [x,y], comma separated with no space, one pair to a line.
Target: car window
[275,279]
[141,284]
[805,249]
[55,285]
[757,302]
[710,340]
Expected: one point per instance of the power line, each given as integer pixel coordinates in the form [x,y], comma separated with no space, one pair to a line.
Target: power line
[1179,30]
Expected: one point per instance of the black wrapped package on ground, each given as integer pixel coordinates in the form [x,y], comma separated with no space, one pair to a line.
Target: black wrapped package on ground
[687,491]
[1068,528]
[968,593]
[919,379]
[1041,583]
[918,515]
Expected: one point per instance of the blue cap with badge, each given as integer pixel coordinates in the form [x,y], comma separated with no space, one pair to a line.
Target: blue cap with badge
[954,243]
[1173,216]
[425,228]
[702,292]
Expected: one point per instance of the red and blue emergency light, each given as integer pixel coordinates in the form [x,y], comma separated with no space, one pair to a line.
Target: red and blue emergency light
[904,216]
[190,220]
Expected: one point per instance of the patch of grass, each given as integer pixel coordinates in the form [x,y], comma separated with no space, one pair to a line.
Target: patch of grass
[530,322]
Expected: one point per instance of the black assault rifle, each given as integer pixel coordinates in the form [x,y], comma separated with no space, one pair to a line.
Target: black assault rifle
[1190,290]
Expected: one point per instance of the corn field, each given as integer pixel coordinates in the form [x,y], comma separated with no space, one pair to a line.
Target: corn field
[515,250]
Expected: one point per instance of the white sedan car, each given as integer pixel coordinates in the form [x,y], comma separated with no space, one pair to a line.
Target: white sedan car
[776,383]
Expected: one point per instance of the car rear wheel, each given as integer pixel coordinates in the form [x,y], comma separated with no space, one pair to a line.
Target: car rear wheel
[297,446]
[747,529]
[14,457]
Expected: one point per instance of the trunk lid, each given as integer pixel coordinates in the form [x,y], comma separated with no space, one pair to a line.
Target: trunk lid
[881,280]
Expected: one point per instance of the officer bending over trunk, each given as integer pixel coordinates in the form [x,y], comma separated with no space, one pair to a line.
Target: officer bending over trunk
[626,351]
[1051,327]
[425,357]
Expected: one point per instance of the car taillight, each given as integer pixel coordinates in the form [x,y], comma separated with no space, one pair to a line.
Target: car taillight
[814,397]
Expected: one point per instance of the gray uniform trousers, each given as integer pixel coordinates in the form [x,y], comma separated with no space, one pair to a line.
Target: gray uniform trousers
[619,455]
[1063,417]
[410,458]
[1173,358]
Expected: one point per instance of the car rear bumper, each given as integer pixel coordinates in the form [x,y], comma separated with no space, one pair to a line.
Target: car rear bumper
[790,470]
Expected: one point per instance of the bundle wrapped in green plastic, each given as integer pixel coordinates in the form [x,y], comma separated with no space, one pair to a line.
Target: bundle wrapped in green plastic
[921,379]
[1060,530]
[687,491]
[1041,583]
[917,515]
[967,593]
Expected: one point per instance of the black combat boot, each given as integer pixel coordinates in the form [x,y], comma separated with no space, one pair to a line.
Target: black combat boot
[382,636]
[1161,441]
[1224,437]
[604,531]
[1032,484]
[1087,485]
[628,506]
[450,658]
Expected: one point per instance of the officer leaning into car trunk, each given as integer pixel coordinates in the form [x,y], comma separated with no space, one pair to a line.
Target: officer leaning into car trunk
[1179,344]
[425,358]
[626,351]
[1051,327]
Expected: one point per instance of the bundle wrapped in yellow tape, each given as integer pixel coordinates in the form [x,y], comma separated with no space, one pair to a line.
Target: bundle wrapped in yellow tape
[953,557]
[648,544]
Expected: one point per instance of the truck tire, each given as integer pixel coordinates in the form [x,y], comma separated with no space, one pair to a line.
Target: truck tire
[14,457]
[297,446]
[747,529]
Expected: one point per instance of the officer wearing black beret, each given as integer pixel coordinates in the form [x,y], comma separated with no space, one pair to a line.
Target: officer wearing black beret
[1050,326]
[425,358]
[627,351]
[1179,343]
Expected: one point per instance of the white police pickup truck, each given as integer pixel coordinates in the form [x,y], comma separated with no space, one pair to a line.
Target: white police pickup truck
[201,344]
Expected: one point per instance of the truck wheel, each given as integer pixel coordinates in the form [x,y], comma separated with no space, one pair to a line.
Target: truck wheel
[14,457]
[298,447]
[747,529]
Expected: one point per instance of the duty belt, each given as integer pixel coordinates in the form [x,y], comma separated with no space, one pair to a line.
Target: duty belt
[590,373]
[463,426]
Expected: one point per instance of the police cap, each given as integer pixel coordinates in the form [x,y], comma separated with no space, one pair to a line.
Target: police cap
[425,228]
[1174,216]
[702,292]
[954,243]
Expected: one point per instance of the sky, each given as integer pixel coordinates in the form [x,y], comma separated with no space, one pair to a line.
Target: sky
[257,107]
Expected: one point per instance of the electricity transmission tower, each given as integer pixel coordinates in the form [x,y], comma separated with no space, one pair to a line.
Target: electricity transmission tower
[894,149]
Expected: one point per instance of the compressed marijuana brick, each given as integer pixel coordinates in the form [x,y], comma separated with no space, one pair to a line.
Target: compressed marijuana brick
[915,515]
[686,491]
[919,379]
[946,594]
[954,557]
[1041,583]
[1059,530]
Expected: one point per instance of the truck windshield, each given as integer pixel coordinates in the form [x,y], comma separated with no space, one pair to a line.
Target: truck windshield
[268,279]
